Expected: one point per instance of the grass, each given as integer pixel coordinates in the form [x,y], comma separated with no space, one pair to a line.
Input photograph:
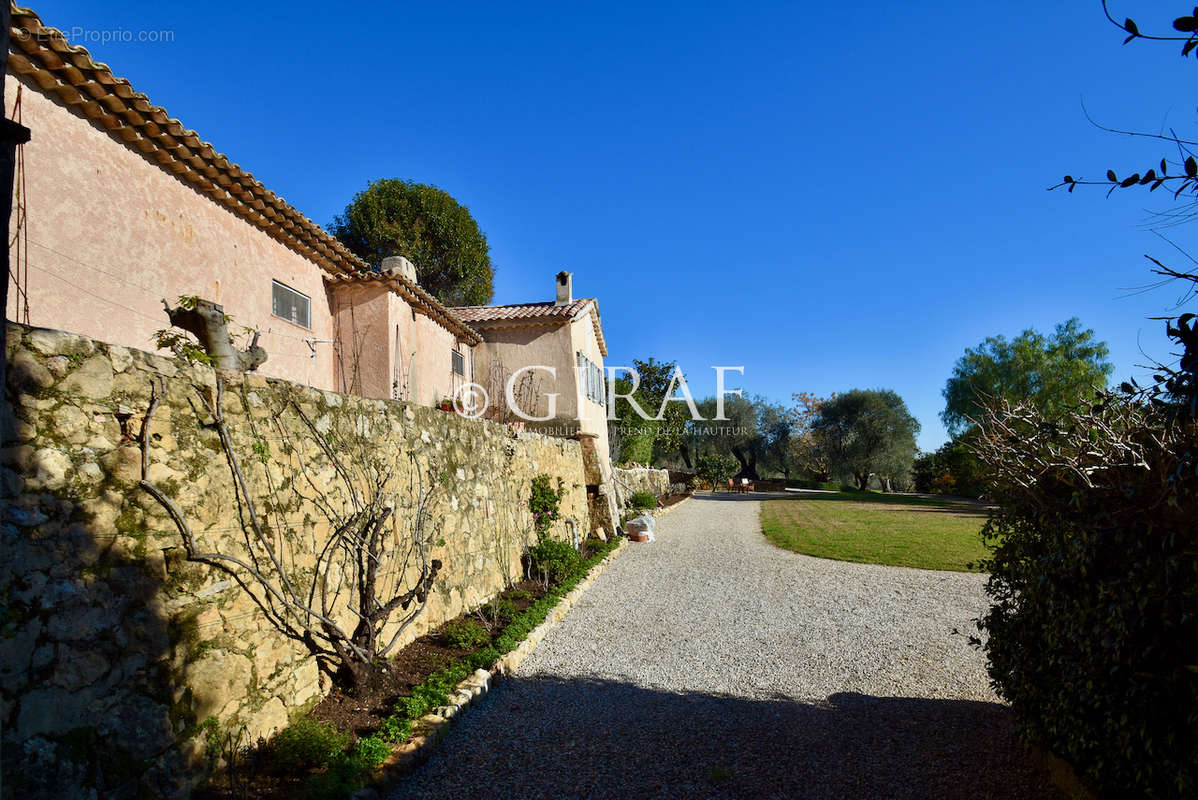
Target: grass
[873,528]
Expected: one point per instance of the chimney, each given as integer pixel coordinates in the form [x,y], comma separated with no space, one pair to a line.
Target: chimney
[400,266]
[565,288]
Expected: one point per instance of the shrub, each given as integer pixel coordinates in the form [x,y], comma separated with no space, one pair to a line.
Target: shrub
[636,444]
[716,469]
[308,743]
[544,501]
[1092,633]
[466,633]
[370,752]
[395,728]
[552,560]
[496,613]
[643,500]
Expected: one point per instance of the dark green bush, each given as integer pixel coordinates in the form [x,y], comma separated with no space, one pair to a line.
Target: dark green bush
[643,500]
[371,751]
[953,469]
[466,633]
[636,443]
[552,559]
[716,469]
[544,501]
[1093,635]
[308,743]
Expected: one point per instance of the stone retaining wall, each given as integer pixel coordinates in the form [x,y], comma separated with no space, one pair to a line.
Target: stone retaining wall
[640,479]
[115,649]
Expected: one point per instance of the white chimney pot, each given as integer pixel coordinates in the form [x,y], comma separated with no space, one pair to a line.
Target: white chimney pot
[565,288]
[400,266]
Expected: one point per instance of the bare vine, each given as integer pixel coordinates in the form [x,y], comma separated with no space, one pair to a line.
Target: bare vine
[368,509]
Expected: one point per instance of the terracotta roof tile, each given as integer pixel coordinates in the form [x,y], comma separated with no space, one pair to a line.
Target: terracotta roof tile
[531,314]
[483,315]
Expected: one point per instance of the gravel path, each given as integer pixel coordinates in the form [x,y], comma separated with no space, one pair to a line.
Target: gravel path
[712,664]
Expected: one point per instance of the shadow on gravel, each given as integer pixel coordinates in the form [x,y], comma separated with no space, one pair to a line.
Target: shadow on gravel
[547,738]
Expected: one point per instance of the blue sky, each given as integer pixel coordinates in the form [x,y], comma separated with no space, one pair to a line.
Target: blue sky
[835,196]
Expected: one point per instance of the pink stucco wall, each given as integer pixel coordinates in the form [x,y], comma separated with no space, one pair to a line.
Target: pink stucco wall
[111,233]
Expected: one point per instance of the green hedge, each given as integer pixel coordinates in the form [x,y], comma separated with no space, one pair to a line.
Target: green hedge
[1093,636]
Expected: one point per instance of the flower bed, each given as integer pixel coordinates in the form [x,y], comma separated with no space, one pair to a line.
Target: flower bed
[339,746]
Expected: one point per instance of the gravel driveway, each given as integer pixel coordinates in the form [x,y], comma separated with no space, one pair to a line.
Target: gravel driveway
[712,664]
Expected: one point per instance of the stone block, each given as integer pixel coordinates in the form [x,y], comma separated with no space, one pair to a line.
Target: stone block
[92,380]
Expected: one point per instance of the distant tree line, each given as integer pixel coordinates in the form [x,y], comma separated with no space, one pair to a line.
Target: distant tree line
[857,437]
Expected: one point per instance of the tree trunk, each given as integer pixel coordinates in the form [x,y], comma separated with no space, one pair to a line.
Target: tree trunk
[208,323]
[686,456]
[748,464]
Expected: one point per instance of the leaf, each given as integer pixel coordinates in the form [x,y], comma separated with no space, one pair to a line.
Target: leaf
[1191,167]
[1188,46]
[1186,24]
[1149,176]
[1131,180]
[1110,176]
[1129,25]
[1164,167]
[1068,179]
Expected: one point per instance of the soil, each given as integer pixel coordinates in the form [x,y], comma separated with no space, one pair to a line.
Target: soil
[673,500]
[362,712]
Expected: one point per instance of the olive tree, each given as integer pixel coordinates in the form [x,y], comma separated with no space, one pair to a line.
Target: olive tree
[868,432]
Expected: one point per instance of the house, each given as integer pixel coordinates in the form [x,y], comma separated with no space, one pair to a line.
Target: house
[552,354]
[120,206]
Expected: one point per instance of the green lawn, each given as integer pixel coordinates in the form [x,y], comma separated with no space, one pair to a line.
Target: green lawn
[877,529]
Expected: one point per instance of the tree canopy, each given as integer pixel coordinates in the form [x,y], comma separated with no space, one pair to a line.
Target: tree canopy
[1052,372]
[868,432]
[393,217]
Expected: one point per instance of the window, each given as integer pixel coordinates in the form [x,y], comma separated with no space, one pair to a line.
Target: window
[291,305]
[459,364]
[591,380]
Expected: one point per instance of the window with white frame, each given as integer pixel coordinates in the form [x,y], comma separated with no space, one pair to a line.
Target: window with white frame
[591,378]
[291,305]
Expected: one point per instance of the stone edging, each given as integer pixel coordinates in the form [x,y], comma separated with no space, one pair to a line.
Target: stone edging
[434,725]
[668,509]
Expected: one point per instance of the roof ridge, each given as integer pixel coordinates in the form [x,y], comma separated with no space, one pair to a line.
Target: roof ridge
[530,303]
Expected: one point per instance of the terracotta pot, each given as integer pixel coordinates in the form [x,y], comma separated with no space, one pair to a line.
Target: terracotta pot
[638,536]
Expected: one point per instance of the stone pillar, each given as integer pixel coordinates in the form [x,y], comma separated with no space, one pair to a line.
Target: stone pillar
[605,513]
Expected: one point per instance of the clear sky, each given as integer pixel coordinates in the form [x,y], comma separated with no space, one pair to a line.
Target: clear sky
[834,195]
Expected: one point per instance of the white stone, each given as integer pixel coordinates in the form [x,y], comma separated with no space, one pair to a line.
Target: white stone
[121,358]
[53,343]
[50,468]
